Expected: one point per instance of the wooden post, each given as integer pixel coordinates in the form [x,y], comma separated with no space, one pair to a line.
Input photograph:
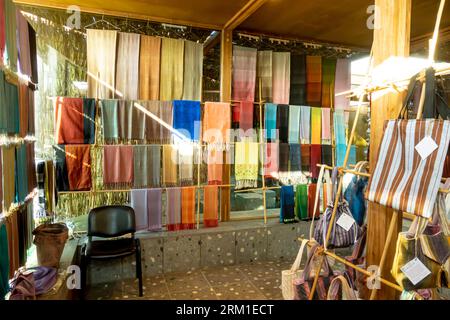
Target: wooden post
[392,38]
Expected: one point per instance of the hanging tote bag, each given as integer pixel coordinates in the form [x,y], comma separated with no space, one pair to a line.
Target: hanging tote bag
[358,256]
[288,276]
[354,194]
[340,287]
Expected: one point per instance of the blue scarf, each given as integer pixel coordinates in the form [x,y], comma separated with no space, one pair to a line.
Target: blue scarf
[186,118]
[339,133]
[287,214]
[270,118]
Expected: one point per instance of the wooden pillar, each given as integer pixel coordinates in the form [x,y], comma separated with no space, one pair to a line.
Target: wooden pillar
[392,38]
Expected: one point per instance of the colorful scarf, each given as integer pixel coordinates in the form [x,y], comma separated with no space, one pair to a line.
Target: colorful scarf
[326,126]
[140,205]
[214,161]
[211,206]
[149,67]
[287,214]
[152,127]
[301,201]
[188,207]
[124,113]
[306,156]
[339,136]
[342,83]
[4,257]
[217,125]
[305,125]
[270,119]
[281,77]
[283,122]
[74,121]
[23,44]
[186,162]
[294,124]
[4,114]
[143,166]
[264,75]
[101,63]
[172,68]
[136,123]
[78,160]
[110,120]
[9,181]
[2,36]
[12,108]
[62,179]
[118,166]
[154,198]
[193,70]
[186,118]
[21,174]
[244,73]
[298,79]
[271,165]
[166,115]
[314,81]
[295,163]
[316,126]
[312,188]
[283,157]
[173,204]
[328,77]
[352,156]
[246,117]
[170,158]
[11,34]
[24,111]
[12,231]
[327,155]
[316,157]
[246,165]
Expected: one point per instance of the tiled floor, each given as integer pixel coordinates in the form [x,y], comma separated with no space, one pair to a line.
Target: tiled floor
[257,281]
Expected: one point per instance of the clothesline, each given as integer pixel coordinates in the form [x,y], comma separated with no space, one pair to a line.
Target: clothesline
[15,140]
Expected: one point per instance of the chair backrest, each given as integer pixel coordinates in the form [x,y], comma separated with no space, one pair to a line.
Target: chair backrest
[111,221]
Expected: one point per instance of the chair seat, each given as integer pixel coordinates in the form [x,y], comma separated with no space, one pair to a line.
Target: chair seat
[103,249]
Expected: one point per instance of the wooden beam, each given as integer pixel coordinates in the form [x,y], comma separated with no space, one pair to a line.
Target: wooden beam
[243,14]
[423,42]
[391,39]
[211,42]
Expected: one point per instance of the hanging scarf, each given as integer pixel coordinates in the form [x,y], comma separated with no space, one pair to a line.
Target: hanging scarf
[173,204]
[4,105]
[316,126]
[140,205]
[306,156]
[294,124]
[62,178]
[186,162]
[312,188]
[295,164]
[246,117]
[264,75]
[352,156]
[152,127]
[270,119]
[149,67]
[118,166]
[146,166]
[4,257]
[314,81]
[283,122]
[342,83]
[21,173]
[188,208]
[101,63]
[110,120]
[166,115]
[78,161]
[298,79]
[301,201]
[154,166]
[136,123]
[305,125]
[328,74]
[33,54]
[23,44]
[217,125]
[193,70]
[281,77]
[283,173]
[327,155]
[339,136]
[186,118]
[9,181]
[11,34]
[12,231]
[316,157]
[211,206]
[246,165]
[2,30]
[1,173]
[326,126]
[23,110]
[154,209]
[124,113]
[214,161]
[287,214]
[271,165]
[244,73]
[172,62]
[170,158]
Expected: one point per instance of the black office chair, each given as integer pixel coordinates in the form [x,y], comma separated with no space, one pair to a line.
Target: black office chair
[111,222]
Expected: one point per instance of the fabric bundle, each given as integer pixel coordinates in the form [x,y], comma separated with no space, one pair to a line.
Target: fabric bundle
[305,125]
[11,34]
[287,214]
[271,165]
[246,165]
[217,125]
[316,125]
[301,201]
[316,158]
[173,206]
[73,167]
[306,156]
[186,162]
[281,64]
[264,75]
[118,165]
[23,44]
[283,173]
[298,80]
[110,120]
[246,117]
[154,209]
[294,124]
[327,155]
[214,161]
[172,69]
[101,63]
[312,189]
[326,126]
[170,159]
[270,119]
[342,83]
[9,181]
[328,78]
[149,67]
[146,166]
[339,136]
[74,121]
[314,81]
[211,206]
[244,73]
[283,122]
[188,207]
[193,70]
[295,163]
[140,205]
[186,119]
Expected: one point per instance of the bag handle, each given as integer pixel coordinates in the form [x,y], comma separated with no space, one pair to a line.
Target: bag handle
[298,259]
[347,292]
[316,200]
[309,264]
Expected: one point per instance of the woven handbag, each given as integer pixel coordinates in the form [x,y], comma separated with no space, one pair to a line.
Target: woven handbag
[288,276]
[340,286]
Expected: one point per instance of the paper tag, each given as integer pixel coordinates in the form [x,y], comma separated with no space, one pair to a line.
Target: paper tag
[415,271]
[426,147]
[345,221]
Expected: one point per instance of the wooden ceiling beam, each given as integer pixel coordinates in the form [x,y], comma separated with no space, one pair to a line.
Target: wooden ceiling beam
[211,42]
[242,15]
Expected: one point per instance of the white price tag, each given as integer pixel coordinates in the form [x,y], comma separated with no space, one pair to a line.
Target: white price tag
[415,271]
[426,147]
[345,221]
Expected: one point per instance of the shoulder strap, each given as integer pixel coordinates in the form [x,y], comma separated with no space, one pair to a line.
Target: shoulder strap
[347,291]
[298,259]
[316,201]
